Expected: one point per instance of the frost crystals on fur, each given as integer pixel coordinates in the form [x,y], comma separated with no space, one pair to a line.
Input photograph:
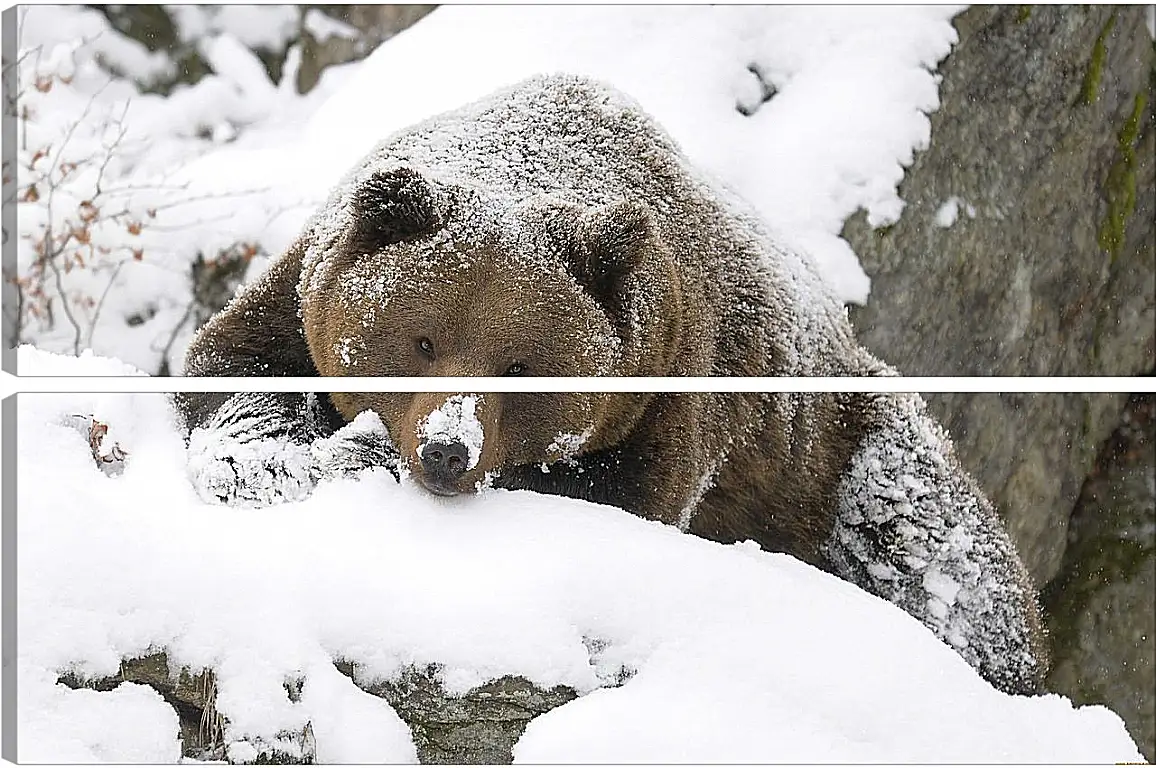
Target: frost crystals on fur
[913,528]
[566,445]
[253,454]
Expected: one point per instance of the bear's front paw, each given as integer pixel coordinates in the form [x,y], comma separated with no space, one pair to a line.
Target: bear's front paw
[360,444]
[253,473]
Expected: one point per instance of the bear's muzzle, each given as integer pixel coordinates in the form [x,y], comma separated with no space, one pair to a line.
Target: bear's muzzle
[442,466]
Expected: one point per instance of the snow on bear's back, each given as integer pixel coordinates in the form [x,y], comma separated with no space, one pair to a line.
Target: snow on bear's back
[563,135]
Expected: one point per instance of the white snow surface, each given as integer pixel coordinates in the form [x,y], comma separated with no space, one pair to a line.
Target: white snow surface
[236,161]
[737,655]
[322,27]
[130,724]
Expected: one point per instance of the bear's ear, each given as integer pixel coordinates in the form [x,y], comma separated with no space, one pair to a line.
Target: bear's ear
[615,237]
[391,206]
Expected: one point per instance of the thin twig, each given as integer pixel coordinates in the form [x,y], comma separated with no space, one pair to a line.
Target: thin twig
[75,123]
[187,224]
[100,304]
[18,321]
[110,149]
[176,330]
[64,303]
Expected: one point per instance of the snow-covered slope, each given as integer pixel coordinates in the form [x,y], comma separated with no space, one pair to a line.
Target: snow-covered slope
[738,655]
[240,160]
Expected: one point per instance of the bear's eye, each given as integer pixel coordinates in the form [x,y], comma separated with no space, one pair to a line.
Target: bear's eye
[426,347]
[515,369]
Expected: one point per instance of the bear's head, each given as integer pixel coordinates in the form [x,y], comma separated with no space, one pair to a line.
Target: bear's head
[431,278]
[459,443]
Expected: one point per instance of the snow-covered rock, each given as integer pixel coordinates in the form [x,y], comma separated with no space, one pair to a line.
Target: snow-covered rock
[736,654]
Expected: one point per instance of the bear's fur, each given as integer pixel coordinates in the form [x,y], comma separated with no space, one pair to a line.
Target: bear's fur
[553,229]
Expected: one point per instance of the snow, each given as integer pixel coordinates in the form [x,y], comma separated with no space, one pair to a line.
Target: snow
[794,666]
[946,214]
[322,26]
[205,170]
[257,26]
[455,421]
[45,363]
[566,445]
[130,724]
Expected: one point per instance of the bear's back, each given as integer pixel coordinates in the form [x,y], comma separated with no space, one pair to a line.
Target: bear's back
[561,135]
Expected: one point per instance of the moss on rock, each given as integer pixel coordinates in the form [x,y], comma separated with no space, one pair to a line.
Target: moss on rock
[1120,186]
[1091,87]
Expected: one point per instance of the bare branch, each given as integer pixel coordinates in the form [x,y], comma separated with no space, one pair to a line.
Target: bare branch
[18,319]
[168,348]
[100,304]
[186,225]
[65,305]
[122,130]
[75,123]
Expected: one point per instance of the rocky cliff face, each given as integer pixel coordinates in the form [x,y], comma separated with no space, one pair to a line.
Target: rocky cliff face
[1027,248]
[480,727]
[327,35]
[369,26]
[1043,148]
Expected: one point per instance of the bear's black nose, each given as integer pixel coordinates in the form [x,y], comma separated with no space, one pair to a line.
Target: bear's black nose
[444,461]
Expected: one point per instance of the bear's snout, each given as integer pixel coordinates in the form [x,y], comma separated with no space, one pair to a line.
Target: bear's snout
[442,465]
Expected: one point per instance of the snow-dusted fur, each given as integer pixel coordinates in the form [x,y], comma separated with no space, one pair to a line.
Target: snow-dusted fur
[912,527]
[556,226]
[252,453]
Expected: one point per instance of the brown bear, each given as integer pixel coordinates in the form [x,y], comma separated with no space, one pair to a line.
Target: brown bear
[553,229]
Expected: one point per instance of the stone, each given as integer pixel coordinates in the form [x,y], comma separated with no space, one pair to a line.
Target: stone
[480,727]
[191,695]
[1102,607]
[372,25]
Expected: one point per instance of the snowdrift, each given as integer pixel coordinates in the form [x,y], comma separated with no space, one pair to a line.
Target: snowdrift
[732,654]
